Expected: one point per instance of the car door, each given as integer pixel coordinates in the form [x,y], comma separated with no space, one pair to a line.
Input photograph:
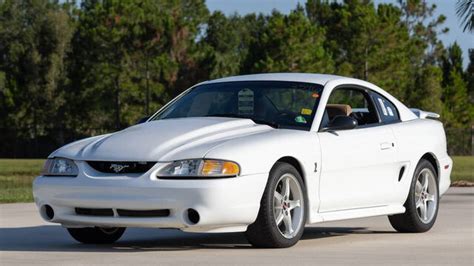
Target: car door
[358,165]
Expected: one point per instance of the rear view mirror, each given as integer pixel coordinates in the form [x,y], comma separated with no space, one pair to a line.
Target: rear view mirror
[341,122]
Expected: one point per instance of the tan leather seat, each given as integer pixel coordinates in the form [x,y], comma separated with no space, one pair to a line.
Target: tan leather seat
[338,109]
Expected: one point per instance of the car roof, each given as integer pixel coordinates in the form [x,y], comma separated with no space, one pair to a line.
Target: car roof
[296,77]
[321,79]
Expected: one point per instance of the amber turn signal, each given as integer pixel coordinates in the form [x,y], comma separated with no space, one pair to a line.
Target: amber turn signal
[219,168]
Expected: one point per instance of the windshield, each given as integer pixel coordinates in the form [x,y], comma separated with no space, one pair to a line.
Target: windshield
[279,104]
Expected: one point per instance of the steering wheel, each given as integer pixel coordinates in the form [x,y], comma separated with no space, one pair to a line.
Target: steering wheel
[286,116]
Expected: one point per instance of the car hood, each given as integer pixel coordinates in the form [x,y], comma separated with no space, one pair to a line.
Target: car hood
[162,140]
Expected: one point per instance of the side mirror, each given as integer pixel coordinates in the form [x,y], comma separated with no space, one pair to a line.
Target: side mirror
[341,122]
[142,120]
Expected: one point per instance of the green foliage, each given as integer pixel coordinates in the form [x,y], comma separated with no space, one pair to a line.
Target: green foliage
[470,76]
[135,49]
[464,10]
[429,83]
[225,45]
[291,44]
[35,38]
[80,70]
[458,111]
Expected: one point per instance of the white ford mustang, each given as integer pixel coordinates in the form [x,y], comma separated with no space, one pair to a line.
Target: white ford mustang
[262,154]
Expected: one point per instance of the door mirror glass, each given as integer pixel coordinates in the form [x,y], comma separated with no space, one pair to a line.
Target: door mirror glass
[341,122]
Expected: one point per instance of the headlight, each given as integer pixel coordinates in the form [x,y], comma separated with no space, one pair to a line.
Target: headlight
[199,168]
[59,167]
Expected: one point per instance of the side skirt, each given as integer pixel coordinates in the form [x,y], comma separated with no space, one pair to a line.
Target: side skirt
[359,213]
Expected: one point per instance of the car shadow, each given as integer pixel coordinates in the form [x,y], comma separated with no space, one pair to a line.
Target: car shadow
[53,238]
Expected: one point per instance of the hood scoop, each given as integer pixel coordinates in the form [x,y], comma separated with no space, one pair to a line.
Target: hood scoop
[162,139]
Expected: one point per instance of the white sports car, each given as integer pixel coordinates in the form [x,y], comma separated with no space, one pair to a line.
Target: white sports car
[263,154]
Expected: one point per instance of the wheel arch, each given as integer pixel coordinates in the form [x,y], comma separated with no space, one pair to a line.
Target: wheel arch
[295,163]
[306,189]
[430,157]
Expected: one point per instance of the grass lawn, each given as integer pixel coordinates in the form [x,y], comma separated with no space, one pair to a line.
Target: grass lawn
[463,168]
[16,176]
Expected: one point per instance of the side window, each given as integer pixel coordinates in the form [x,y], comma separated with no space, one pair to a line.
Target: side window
[353,98]
[387,110]
[350,102]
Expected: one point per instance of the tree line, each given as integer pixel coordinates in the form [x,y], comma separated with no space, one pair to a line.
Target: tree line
[77,69]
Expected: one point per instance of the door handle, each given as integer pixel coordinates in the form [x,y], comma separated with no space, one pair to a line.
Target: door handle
[386,145]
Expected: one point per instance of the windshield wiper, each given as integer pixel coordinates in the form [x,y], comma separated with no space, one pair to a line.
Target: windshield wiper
[263,122]
[255,120]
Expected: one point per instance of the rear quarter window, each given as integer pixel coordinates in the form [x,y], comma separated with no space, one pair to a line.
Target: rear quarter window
[387,110]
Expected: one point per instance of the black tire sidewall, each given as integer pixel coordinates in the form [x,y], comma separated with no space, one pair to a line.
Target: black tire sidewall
[94,235]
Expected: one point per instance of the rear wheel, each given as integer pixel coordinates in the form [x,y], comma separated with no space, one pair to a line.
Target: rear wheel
[282,215]
[422,202]
[96,235]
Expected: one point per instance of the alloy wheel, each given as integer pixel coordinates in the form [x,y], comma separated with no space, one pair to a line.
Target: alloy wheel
[425,195]
[288,206]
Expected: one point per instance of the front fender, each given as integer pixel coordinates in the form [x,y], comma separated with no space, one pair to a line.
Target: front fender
[258,153]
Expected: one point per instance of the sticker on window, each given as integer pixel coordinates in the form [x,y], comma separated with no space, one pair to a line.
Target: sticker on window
[245,102]
[382,106]
[389,110]
[300,119]
[306,111]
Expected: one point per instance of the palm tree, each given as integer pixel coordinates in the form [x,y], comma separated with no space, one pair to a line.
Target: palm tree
[465,11]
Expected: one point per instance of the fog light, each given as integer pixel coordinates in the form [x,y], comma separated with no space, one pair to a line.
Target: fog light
[47,212]
[193,216]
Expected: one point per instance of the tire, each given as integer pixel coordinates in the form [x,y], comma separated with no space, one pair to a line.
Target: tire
[422,196]
[96,235]
[289,207]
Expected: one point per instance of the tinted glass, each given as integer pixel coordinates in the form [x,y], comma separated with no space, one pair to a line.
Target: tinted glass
[354,98]
[280,104]
[387,111]
[360,106]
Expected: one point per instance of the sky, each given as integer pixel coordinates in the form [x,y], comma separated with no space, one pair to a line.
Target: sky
[445,7]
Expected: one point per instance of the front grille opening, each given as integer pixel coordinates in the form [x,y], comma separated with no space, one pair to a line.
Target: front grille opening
[143,213]
[94,212]
[121,167]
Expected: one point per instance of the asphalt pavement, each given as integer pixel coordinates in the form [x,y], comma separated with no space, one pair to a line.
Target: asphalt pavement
[25,240]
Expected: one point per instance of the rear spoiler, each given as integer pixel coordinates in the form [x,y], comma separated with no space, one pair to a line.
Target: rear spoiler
[424,115]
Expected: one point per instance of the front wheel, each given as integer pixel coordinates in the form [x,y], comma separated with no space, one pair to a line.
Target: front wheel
[422,202]
[96,235]
[282,215]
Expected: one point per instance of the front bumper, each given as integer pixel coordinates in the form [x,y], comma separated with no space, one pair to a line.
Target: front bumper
[224,205]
